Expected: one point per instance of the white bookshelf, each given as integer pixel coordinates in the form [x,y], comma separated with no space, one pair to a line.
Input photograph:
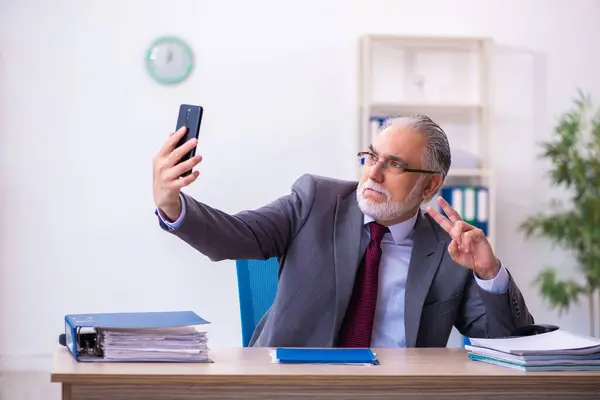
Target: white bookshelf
[446,78]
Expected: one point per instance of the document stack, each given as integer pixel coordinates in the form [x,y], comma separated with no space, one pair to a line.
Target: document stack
[559,350]
[137,337]
[183,343]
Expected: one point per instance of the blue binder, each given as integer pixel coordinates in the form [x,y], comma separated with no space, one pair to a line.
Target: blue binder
[287,355]
[471,202]
[82,330]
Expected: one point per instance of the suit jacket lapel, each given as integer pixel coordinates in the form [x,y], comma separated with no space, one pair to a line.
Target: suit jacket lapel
[425,260]
[347,230]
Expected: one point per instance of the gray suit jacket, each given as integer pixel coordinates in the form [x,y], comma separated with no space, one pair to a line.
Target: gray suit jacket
[315,232]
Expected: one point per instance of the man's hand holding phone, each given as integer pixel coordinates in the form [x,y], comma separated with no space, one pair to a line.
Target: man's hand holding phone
[167,171]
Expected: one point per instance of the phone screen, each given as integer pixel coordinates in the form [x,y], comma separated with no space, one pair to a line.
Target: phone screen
[189,116]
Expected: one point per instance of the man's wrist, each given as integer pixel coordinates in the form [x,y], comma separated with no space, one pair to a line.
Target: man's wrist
[488,273]
[171,212]
[175,218]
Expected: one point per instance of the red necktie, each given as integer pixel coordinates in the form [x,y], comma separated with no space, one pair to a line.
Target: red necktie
[358,322]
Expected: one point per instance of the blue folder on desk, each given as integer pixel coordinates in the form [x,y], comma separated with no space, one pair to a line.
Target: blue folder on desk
[286,355]
[139,336]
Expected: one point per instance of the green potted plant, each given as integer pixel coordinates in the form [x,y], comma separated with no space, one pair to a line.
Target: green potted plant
[574,224]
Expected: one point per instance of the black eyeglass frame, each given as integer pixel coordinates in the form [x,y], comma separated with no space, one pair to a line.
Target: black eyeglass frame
[363,154]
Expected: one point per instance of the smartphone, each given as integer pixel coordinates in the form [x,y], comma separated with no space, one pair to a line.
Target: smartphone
[191,117]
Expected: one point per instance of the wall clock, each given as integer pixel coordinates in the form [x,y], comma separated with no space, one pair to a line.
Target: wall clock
[169,60]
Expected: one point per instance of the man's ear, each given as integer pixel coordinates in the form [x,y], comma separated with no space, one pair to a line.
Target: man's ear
[434,182]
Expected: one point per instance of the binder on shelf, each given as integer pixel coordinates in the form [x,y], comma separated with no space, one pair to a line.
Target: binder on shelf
[359,356]
[471,202]
[376,122]
[170,336]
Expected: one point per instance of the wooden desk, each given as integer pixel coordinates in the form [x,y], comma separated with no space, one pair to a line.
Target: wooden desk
[245,373]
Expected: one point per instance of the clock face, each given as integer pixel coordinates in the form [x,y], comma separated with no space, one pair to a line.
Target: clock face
[169,60]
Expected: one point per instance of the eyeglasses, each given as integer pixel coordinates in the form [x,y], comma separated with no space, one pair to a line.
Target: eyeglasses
[369,159]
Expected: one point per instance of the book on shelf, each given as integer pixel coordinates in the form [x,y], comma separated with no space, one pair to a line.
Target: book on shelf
[376,123]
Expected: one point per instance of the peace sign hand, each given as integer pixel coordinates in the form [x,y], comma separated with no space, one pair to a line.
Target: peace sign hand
[469,246]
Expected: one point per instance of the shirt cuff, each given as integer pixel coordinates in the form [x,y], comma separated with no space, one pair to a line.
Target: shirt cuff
[498,284]
[177,223]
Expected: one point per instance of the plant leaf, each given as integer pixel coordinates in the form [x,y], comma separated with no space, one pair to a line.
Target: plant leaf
[559,294]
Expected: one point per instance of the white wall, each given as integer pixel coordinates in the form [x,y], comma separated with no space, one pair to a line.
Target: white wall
[80,121]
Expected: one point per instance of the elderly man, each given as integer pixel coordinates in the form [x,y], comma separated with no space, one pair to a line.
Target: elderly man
[361,263]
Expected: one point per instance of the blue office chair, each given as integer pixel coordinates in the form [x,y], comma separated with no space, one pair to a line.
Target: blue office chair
[257,285]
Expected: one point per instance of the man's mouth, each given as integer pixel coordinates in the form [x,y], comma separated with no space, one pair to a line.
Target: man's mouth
[374,193]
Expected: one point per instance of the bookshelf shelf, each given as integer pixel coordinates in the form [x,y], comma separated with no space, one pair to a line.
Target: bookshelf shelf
[429,41]
[469,172]
[423,107]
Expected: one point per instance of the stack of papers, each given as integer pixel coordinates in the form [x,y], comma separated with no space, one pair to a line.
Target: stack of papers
[324,356]
[559,350]
[183,344]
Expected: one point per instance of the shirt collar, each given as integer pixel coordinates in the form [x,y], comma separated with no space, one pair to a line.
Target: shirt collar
[399,231]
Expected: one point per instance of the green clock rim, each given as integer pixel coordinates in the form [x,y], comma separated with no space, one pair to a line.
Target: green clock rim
[186,48]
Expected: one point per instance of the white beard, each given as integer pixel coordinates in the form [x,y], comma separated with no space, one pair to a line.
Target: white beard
[388,210]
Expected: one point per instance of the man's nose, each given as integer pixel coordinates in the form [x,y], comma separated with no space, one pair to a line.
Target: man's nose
[376,172]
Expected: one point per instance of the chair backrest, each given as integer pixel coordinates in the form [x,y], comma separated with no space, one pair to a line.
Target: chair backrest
[257,285]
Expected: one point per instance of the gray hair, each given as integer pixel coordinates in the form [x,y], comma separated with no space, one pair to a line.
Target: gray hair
[437,154]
